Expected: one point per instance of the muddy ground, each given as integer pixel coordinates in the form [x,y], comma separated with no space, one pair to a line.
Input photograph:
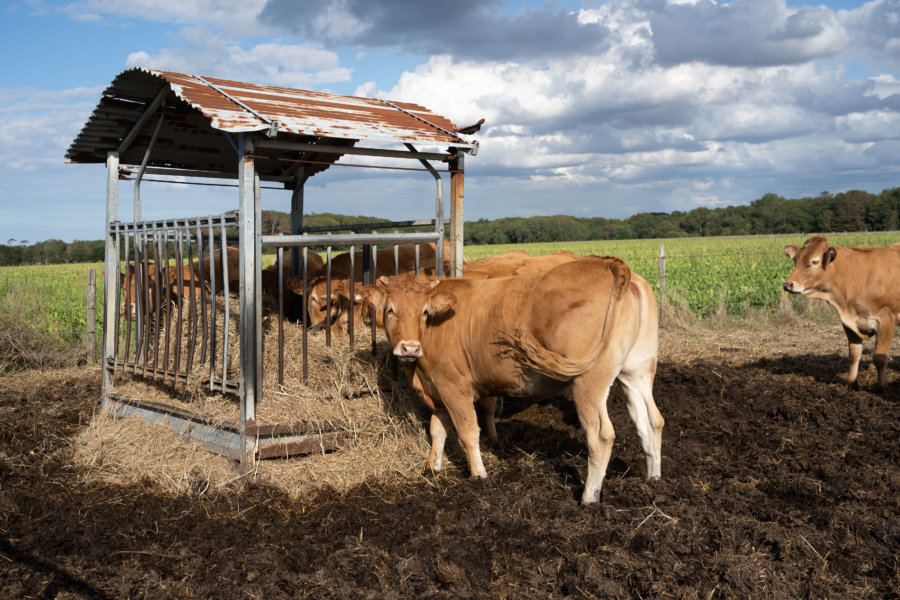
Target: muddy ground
[778,482]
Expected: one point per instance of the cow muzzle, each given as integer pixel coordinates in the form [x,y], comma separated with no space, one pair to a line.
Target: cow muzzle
[793,287]
[408,351]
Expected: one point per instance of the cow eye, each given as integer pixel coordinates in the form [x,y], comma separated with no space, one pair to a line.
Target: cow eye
[390,311]
[814,262]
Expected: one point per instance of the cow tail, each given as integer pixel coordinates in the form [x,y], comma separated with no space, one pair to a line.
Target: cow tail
[535,357]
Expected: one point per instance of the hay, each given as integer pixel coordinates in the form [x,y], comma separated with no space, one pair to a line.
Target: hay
[347,390]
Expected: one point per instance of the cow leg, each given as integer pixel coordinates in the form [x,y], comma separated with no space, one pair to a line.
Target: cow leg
[646,416]
[486,407]
[462,412]
[590,392]
[855,343]
[883,348]
[440,421]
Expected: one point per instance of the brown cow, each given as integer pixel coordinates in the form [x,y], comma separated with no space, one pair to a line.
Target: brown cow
[514,262]
[506,264]
[583,324]
[314,263]
[232,263]
[138,288]
[862,283]
[338,303]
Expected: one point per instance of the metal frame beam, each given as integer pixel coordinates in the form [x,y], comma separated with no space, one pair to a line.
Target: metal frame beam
[334,149]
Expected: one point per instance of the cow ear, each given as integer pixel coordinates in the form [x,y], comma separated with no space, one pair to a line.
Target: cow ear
[372,295]
[828,256]
[295,284]
[440,303]
[791,250]
[382,281]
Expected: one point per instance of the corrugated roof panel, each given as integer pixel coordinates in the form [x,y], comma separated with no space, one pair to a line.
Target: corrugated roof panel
[305,112]
[198,110]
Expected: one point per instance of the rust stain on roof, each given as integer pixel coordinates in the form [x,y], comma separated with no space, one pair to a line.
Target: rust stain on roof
[306,112]
[199,110]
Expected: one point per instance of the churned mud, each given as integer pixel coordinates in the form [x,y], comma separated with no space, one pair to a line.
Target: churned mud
[778,482]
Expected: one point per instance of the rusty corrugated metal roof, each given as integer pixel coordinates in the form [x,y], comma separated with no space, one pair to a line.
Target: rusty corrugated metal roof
[198,108]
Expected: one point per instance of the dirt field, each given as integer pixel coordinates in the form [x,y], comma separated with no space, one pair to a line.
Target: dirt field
[777,483]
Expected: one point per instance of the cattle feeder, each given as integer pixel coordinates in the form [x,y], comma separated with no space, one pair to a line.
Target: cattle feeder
[171,282]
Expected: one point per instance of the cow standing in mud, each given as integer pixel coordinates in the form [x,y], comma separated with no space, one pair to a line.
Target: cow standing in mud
[583,324]
[862,283]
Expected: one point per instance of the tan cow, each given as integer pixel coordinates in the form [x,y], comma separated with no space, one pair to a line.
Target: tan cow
[514,262]
[338,303]
[314,264]
[583,324]
[233,264]
[861,283]
[142,285]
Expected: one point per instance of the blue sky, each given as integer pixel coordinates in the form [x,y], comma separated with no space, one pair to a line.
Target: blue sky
[591,108]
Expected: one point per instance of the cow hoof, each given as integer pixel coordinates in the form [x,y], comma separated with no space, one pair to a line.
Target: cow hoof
[853,386]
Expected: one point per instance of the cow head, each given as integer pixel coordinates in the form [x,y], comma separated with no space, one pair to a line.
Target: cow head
[810,265]
[408,304]
[319,302]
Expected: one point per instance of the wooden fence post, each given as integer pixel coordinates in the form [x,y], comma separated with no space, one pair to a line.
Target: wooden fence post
[662,275]
[90,327]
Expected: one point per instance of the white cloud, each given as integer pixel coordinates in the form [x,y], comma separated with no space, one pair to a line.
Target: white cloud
[235,18]
[207,53]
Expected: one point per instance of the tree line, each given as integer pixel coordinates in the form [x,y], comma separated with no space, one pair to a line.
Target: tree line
[854,210]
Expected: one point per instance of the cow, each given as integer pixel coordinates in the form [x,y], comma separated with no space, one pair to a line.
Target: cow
[338,303]
[314,264]
[142,284]
[506,264]
[581,325]
[514,262]
[862,284]
[147,291]
[231,264]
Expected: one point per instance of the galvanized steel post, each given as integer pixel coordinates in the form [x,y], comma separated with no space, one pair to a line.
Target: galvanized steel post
[457,189]
[250,298]
[111,268]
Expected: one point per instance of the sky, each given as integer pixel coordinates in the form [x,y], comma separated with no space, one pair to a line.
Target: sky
[592,108]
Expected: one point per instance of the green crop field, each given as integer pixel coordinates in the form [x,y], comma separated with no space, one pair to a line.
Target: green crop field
[51,298]
[705,275]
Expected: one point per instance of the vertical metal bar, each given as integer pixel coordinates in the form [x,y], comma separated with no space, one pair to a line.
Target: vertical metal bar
[157,290]
[305,309]
[119,299]
[212,307]
[417,258]
[250,339]
[352,279]
[111,268]
[227,315]
[144,299]
[192,337]
[90,321]
[662,275]
[457,196]
[129,283]
[328,298]
[280,269]
[149,289]
[353,309]
[167,293]
[396,258]
[201,267]
[294,309]
[179,286]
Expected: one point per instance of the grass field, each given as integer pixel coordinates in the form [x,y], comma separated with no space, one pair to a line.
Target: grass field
[704,275]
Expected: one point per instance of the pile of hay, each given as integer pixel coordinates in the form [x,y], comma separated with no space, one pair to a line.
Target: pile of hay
[348,389]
